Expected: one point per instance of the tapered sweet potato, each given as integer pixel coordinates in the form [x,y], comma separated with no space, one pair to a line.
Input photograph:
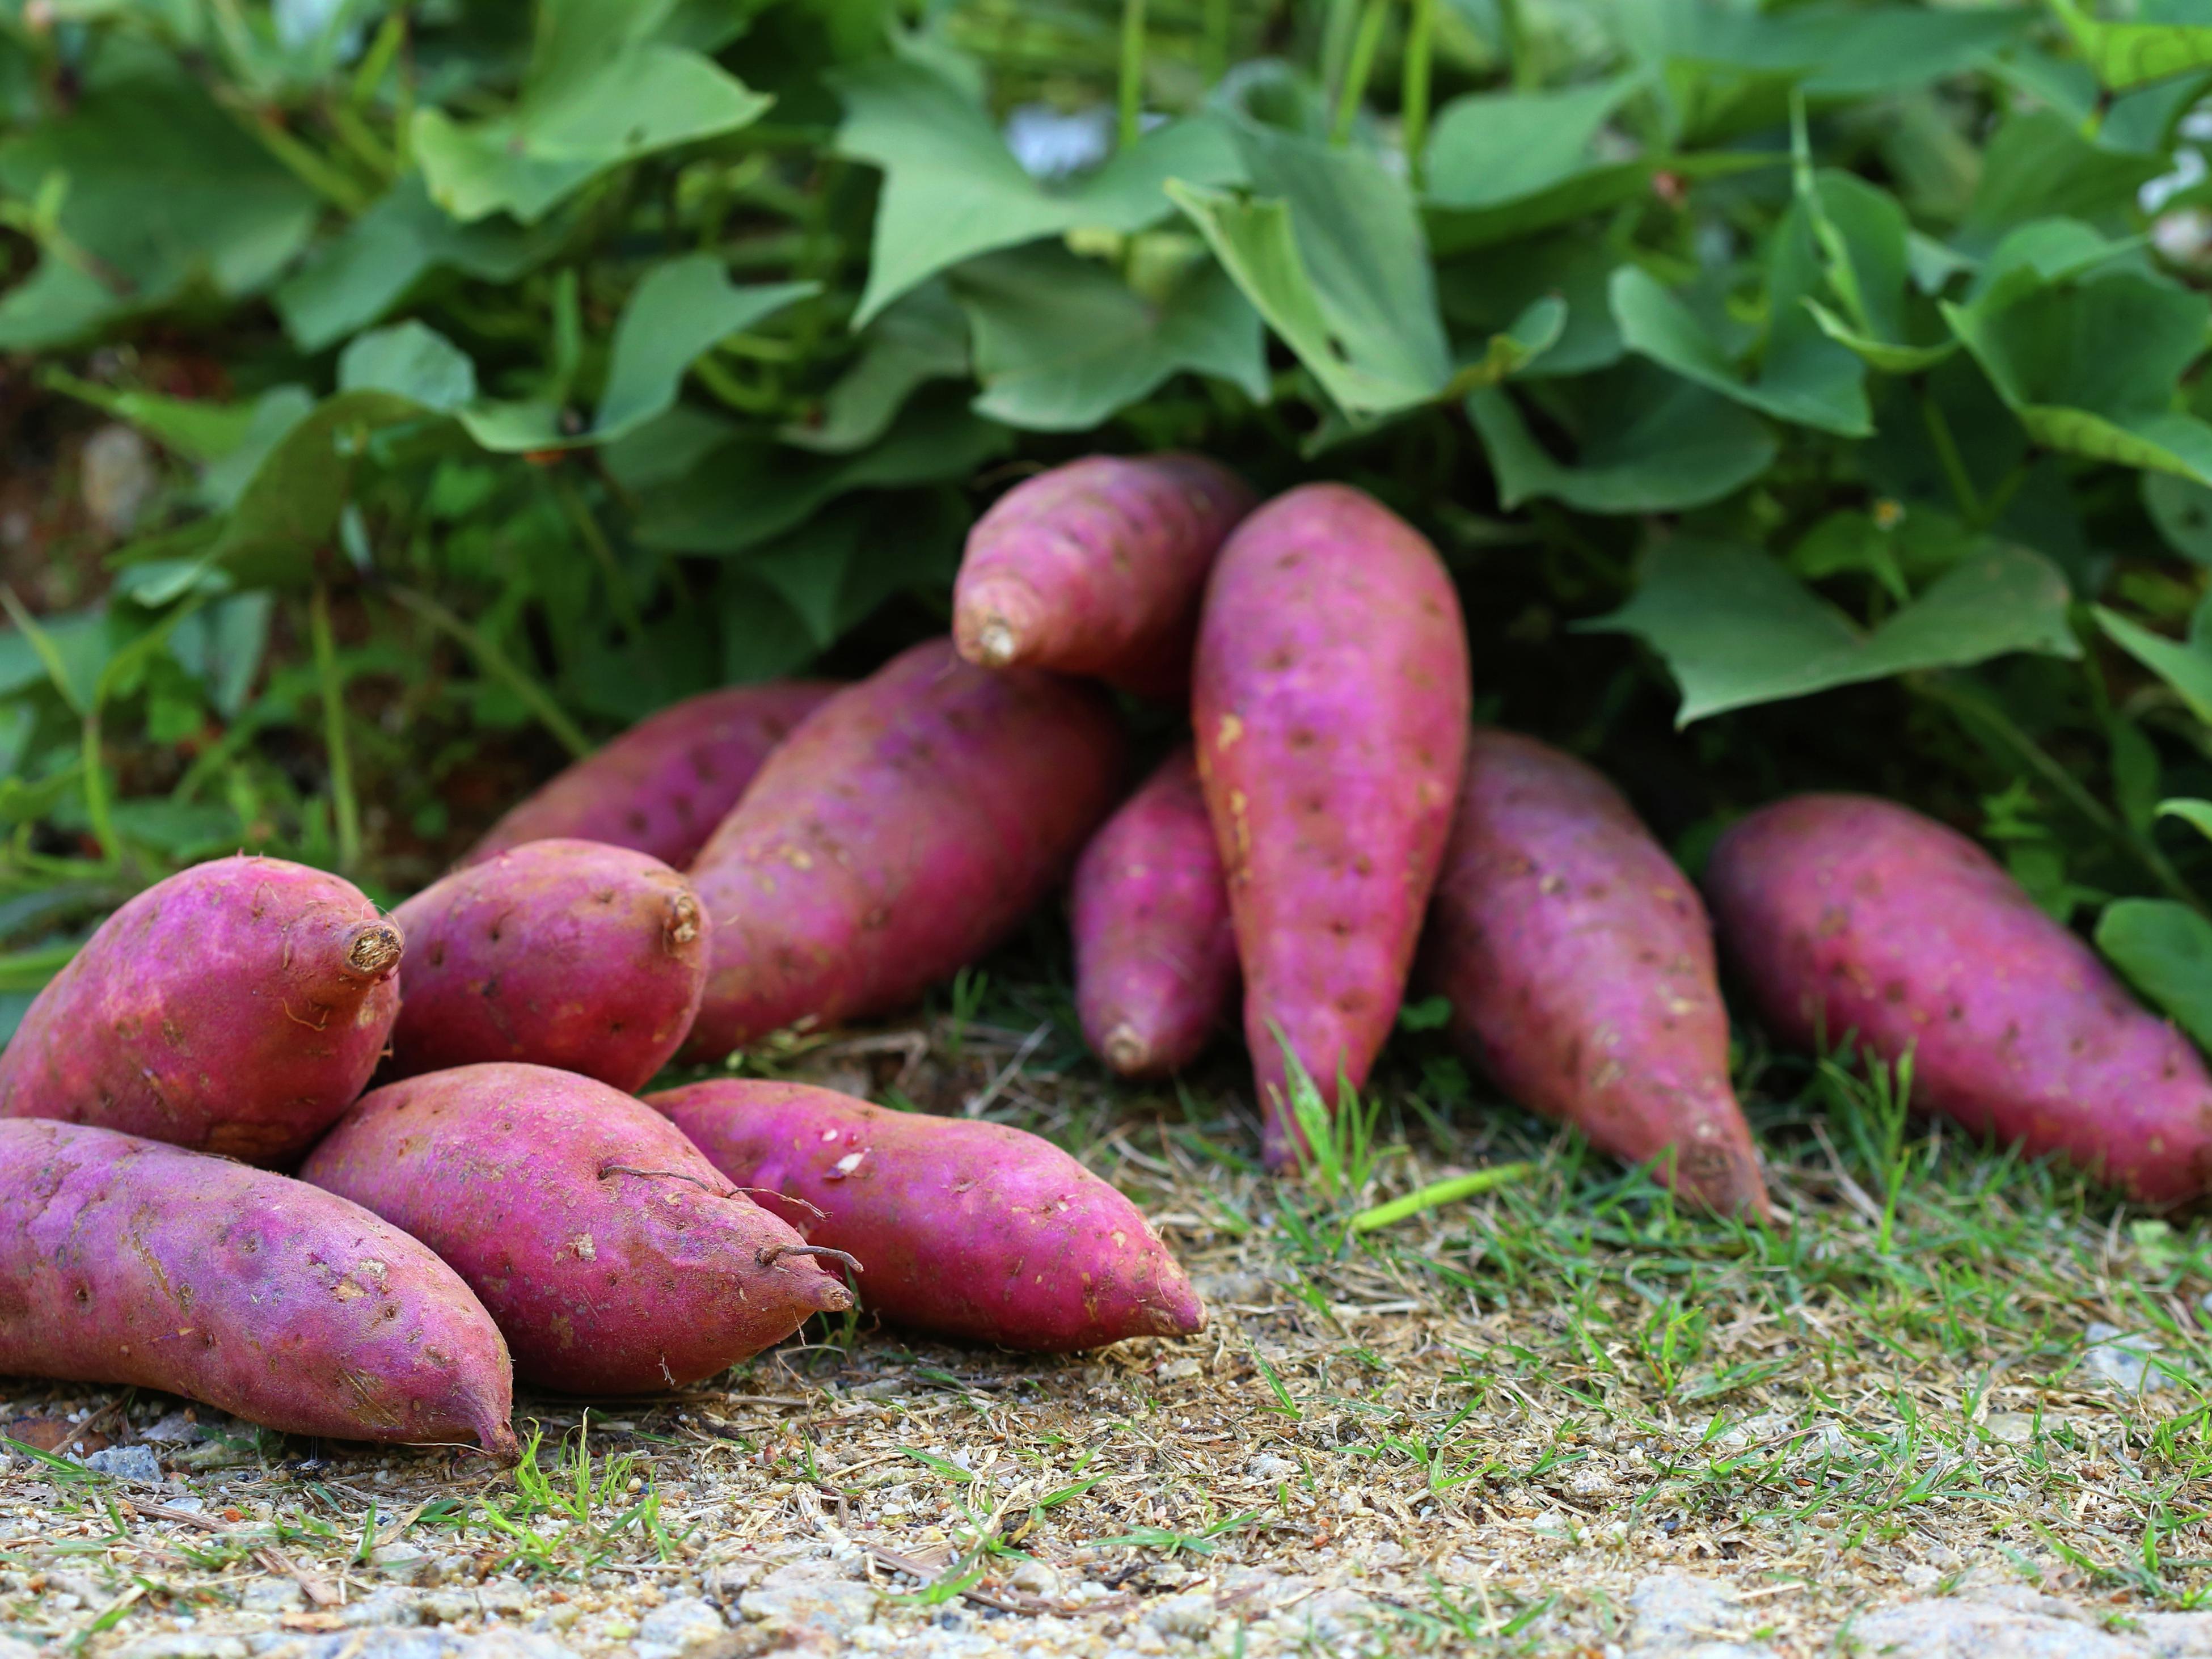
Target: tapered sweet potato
[905,828]
[1155,953]
[126,1260]
[237,1007]
[570,954]
[1095,567]
[1330,704]
[613,1256]
[1845,915]
[963,1228]
[1579,967]
[661,787]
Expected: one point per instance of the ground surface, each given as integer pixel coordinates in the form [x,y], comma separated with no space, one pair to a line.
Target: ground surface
[1949,1404]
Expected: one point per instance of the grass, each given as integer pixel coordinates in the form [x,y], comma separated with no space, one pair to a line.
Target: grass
[1539,1383]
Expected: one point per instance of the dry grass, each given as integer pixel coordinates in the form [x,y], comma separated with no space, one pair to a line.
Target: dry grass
[1479,1427]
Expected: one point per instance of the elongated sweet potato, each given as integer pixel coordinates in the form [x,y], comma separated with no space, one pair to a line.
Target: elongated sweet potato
[126,1260]
[904,830]
[661,787]
[1095,567]
[963,1228]
[1844,914]
[613,1256]
[1330,704]
[1155,953]
[564,953]
[237,1007]
[1579,967]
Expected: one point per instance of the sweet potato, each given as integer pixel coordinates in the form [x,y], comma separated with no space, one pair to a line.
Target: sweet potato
[1155,954]
[237,1007]
[1578,963]
[126,1260]
[1095,567]
[564,953]
[613,1256]
[963,1228]
[661,787]
[1331,709]
[905,828]
[1845,915]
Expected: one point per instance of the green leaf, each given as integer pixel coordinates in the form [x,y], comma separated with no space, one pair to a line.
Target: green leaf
[1490,295]
[2040,166]
[2181,510]
[1805,377]
[920,337]
[198,431]
[1491,147]
[2093,366]
[2187,669]
[2133,54]
[952,190]
[413,360]
[1737,628]
[600,91]
[2165,950]
[289,507]
[1647,443]
[352,280]
[680,309]
[1862,239]
[160,193]
[1595,189]
[2196,814]
[1062,343]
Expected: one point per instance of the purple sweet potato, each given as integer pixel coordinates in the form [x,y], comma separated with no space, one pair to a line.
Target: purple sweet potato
[1848,914]
[126,1260]
[1331,709]
[1095,567]
[237,1007]
[569,954]
[963,1228]
[904,830]
[661,787]
[1578,963]
[613,1256]
[1155,952]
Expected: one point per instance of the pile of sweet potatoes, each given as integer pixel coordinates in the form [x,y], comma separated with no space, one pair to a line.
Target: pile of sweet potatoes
[502,1202]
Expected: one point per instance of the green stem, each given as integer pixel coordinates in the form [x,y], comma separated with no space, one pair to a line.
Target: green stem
[602,553]
[1975,711]
[497,664]
[1364,45]
[1952,462]
[1513,30]
[1132,72]
[345,807]
[97,808]
[1216,40]
[1414,97]
[1440,1192]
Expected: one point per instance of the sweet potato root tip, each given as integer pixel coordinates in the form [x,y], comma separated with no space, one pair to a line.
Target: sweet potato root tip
[375,950]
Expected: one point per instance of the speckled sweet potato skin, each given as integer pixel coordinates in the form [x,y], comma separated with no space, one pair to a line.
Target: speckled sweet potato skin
[661,787]
[1846,914]
[614,1258]
[1155,951]
[1330,705]
[125,1260]
[904,830]
[963,1228]
[1095,567]
[570,954]
[1578,963]
[236,1007]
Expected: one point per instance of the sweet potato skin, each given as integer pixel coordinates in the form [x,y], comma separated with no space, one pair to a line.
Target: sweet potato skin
[1330,705]
[661,787]
[1095,567]
[126,1260]
[963,1228]
[1578,963]
[236,1007]
[1155,951]
[614,1258]
[904,830]
[570,954]
[1847,914]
